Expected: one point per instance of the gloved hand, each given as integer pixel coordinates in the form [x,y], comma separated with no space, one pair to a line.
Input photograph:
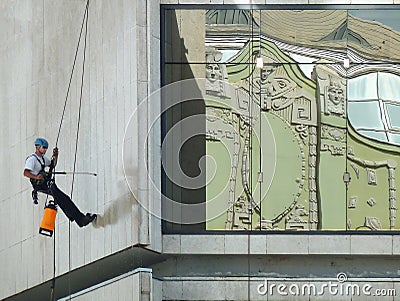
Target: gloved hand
[55,151]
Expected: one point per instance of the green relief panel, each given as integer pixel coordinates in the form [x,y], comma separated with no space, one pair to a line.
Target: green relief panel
[231,169]
[332,191]
[276,152]
[217,193]
[286,168]
[258,140]
[372,189]
[331,97]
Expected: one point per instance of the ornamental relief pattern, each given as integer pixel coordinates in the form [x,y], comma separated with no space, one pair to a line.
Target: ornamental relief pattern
[271,91]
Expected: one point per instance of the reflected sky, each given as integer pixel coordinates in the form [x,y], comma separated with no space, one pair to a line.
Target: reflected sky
[363,87]
[390,18]
[365,115]
[394,138]
[394,115]
[374,106]
[308,67]
[389,86]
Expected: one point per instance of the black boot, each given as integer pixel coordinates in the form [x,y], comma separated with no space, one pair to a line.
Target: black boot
[87,219]
[35,197]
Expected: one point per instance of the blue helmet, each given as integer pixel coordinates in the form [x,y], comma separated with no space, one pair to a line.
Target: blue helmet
[41,142]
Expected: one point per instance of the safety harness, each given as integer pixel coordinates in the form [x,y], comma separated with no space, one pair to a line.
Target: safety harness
[42,184]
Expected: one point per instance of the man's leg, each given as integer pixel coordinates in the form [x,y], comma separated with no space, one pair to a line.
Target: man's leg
[69,208]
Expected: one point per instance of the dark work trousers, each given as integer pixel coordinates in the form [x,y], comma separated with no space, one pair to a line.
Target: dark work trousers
[61,199]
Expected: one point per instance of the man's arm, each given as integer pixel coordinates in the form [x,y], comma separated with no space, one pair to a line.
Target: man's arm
[54,158]
[30,175]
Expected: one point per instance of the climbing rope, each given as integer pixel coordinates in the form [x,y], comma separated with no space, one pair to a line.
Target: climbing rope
[80,98]
[73,68]
[76,147]
[84,22]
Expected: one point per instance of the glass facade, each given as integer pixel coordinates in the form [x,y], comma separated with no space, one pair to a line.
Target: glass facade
[280,119]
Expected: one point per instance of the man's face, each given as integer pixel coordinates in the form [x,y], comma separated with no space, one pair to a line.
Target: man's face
[41,149]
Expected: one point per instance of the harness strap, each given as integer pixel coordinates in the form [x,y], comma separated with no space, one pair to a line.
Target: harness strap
[42,163]
[33,181]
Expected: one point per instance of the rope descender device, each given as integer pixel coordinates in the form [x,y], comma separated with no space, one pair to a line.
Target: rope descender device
[49,219]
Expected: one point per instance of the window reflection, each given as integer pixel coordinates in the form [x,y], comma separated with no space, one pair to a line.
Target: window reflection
[381,136]
[389,86]
[283,135]
[394,138]
[394,115]
[363,87]
[365,115]
[374,105]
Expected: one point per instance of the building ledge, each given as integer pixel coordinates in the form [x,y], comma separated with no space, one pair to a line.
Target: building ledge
[91,274]
[280,244]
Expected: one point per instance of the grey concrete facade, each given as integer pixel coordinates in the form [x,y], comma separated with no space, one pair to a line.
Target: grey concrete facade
[38,41]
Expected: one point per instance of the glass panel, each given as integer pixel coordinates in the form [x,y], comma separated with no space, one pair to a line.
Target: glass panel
[307,70]
[276,97]
[380,136]
[184,39]
[363,87]
[228,54]
[183,147]
[307,35]
[177,72]
[394,138]
[394,115]
[365,115]
[389,84]
[375,34]
[232,37]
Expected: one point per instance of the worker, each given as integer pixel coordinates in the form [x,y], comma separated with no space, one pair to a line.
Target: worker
[42,181]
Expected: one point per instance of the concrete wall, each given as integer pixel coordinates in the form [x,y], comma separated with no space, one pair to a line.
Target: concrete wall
[255,289]
[38,43]
[279,267]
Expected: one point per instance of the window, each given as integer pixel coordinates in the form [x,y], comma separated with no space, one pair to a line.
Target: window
[304,142]
[374,106]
